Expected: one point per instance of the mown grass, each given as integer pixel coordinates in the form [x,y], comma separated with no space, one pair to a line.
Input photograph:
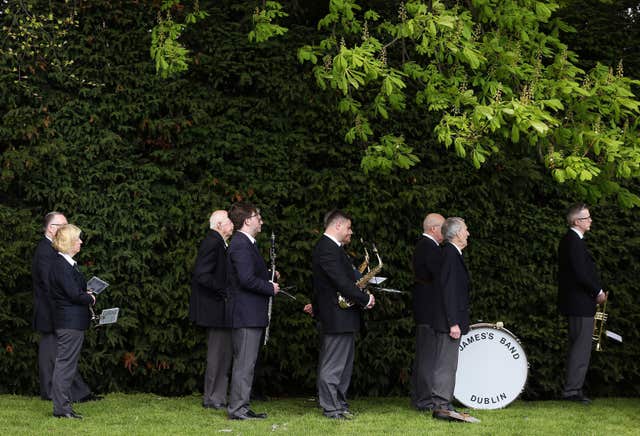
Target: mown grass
[148,414]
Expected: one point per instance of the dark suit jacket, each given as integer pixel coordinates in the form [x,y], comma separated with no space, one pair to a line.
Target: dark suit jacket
[208,306]
[42,304]
[427,259]
[249,284]
[456,286]
[69,293]
[578,280]
[332,273]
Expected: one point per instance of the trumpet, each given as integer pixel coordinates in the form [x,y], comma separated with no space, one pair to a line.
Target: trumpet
[362,282]
[599,320]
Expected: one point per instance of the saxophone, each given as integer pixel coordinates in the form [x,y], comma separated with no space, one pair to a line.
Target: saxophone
[362,282]
[365,263]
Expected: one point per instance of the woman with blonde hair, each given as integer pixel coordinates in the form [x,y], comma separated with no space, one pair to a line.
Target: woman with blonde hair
[71,316]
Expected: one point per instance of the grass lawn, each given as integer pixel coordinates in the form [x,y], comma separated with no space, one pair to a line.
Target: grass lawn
[148,414]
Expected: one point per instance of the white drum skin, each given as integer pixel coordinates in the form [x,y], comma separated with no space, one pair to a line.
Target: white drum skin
[492,368]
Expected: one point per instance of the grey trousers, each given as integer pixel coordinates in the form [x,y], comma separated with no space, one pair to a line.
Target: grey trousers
[335,367]
[46,364]
[246,345]
[216,377]
[579,355]
[423,364]
[69,344]
[444,371]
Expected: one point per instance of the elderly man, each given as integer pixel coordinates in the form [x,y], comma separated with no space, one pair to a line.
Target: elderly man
[426,294]
[454,319]
[579,290]
[43,313]
[333,272]
[208,308]
[251,288]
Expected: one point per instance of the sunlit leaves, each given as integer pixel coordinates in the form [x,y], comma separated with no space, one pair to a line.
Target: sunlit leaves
[497,76]
[264,22]
[391,152]
[169,54]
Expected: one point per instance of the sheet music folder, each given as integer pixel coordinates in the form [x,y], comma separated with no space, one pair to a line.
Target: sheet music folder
[109,316]
[96,285]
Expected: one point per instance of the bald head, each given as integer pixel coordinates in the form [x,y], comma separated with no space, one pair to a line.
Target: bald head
[220,222]
[432,226]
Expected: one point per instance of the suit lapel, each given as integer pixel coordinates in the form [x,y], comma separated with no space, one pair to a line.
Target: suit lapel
[460,259]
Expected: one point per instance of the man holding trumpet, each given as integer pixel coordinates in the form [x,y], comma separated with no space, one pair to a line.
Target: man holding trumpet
[579,290]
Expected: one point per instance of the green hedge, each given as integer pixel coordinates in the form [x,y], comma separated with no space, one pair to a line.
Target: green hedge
[139,163]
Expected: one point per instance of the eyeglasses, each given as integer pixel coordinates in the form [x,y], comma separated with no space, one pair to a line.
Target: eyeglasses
[56,224]
[254,215]
[584,218]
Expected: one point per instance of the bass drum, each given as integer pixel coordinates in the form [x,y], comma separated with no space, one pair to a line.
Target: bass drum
[492,367]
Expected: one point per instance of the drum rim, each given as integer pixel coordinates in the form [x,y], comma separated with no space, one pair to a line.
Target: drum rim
[495,327]
[526,380]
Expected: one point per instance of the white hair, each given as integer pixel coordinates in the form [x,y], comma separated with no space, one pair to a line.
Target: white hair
[451,227]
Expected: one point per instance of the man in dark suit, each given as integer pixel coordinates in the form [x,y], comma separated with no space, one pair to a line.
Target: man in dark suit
[453,320]
[426,270]
[250,288]
[333,272]
[208,308]
[579,290]
[44,256]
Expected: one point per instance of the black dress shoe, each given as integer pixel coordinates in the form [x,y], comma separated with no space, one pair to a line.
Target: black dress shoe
[254,415]
[70,415]
[216,406]
[90,397]
[578,399]
[250,414]
[443,414]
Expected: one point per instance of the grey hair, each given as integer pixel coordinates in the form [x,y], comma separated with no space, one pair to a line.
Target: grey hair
[216,218]
[451,227]
[48,218]
[574,211]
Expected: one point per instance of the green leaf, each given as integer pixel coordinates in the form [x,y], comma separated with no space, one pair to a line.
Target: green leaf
[539,126]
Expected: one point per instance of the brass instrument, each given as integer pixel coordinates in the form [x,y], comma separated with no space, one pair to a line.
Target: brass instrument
[362,282]
[600,318]
[365,263]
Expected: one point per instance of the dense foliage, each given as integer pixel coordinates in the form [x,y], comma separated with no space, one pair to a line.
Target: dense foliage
[139,162]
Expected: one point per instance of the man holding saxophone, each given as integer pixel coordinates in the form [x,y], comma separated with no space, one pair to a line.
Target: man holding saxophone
[579,290]
[333,273]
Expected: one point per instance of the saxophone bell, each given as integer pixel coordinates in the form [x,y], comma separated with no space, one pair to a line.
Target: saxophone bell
[343,303]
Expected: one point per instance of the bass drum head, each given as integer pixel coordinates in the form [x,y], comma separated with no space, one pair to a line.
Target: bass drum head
[492,368]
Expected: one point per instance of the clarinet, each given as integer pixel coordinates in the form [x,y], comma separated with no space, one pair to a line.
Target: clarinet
[272,256]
